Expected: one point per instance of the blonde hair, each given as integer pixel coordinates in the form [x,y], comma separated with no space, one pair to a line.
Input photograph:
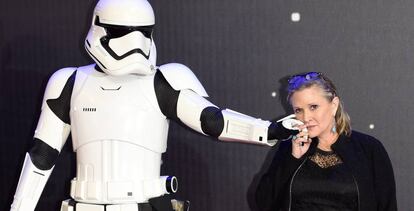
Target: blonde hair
[310,79]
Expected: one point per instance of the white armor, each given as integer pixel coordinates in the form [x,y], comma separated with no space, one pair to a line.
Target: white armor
[112,127]
[119,129]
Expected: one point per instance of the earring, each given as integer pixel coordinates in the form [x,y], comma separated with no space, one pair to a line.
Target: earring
[333,129]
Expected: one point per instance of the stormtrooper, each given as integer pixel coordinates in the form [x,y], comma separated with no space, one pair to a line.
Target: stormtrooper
[118,112]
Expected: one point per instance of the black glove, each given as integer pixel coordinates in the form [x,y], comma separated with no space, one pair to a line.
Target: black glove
[277,131]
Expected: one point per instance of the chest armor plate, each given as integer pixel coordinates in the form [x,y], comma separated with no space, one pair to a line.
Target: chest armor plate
[117,108]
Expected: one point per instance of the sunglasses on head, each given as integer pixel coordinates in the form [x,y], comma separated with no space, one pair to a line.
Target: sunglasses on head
[297,81]
[304,77]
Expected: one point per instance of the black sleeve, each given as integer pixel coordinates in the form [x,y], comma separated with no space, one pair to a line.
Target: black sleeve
[272,192]
[42,155]
[167,97]
[384,181]
[212,121]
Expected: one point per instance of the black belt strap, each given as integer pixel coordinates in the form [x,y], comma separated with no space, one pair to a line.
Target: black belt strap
[141,206]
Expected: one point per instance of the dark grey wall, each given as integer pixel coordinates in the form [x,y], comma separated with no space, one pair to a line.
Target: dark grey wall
[241,50]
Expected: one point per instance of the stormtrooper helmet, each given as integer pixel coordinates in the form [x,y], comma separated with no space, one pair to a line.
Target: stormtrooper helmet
[120,38]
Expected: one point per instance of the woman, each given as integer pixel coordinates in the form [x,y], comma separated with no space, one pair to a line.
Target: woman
[326,166]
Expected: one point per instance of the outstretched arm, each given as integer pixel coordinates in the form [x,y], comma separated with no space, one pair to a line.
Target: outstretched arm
[181,97]
[51,133]
[227,125]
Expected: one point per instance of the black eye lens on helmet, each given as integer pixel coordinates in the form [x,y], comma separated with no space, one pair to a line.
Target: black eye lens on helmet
[115,31]
[145,30]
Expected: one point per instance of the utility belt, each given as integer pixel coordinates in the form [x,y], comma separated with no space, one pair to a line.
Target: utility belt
[72,205]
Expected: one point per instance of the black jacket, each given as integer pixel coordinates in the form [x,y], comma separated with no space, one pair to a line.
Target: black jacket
[364,155]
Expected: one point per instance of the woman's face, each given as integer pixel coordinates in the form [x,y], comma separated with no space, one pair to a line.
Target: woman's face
[313,108]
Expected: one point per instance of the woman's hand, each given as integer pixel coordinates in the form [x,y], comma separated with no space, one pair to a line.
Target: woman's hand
[300,142]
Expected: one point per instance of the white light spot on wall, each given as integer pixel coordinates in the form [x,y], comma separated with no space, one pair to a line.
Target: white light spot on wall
[295,17]
[371,126]
[274,94]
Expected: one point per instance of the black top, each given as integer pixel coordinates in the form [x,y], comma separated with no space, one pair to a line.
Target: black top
[363,155]
[323,183]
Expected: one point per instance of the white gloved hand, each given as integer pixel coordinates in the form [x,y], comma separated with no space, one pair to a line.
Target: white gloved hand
[290,122]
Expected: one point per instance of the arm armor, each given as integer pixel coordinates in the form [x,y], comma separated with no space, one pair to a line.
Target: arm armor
[181,97]
[51,133]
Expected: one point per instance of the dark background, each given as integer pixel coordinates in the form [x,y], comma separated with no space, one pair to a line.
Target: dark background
[242,51]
